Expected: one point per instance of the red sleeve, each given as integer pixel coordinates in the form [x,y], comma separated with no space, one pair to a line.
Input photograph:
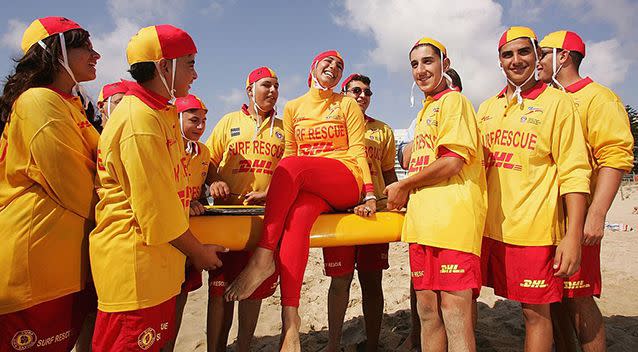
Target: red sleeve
[444,152]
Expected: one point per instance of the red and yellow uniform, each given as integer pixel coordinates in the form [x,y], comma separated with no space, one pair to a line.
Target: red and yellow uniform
[536,153]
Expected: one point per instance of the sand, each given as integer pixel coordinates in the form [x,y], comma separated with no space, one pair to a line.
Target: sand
[500,325]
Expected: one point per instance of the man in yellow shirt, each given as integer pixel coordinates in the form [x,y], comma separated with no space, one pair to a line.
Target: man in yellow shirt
[536,162]
[246,146]
[142,236]
[370,260]
[610,145]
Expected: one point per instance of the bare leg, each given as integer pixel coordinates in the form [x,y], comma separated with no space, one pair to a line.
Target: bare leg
[456,307]
[538,327]
[588,322]
[413,341]
[83,344]
[565,339]
[338,298]
[372,294]
[218,323]
[291,324]
[248,316]
[429,307]
[260,267]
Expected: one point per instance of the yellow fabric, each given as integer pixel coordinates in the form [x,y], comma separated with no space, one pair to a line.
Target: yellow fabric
[553,40]
[516,32]
[142,185]
[330,125]
[245,154]
[144,46]
[197,171]
[380,152]
[536,153]
[32,35]
[431,41]
[606,128]
[450,214]
[47,163]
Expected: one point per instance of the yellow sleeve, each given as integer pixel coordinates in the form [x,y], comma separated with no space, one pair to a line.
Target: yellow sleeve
[68,175]
[289,132]
[216,142]
[389,150]
[454,127]
[610,136]
[152,190]
[569,150]
[356,128]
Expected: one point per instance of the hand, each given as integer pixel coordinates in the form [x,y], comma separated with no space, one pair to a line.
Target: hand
[255,198]
[397,195]
[366,209]
[594,227]
[567,258]
[206,258]
[219,190]
[196,208]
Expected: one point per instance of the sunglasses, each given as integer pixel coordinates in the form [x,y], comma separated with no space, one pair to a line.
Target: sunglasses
[356,91]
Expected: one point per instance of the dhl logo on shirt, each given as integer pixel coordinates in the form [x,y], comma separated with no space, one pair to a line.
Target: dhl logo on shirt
[256,147]
[254,166]
[315,148]
[501,159]
[527,283]
[419,163]
[84,124]
[574,285]
[451,269]
[3,149]
[100,162]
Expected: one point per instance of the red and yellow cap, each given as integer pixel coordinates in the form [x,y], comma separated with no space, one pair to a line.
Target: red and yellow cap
[347,80]
[189,102]
[259,73]
[514,33]
[110,90]
[433,42]
[565,40]
[43,28]
[320,57]
[154,43]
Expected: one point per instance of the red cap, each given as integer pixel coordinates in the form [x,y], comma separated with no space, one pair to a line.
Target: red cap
[347,80]
[259,73]
[111,89]
[189,102]
[320,57]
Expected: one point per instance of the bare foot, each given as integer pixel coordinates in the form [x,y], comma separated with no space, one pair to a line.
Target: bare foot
[290,335]
[260,267]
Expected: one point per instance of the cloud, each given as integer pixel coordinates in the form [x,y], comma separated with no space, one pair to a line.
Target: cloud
[604,64]
[233,99]
[469,28]
[13,36]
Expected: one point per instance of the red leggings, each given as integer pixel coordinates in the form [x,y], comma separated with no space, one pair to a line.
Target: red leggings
[302,188]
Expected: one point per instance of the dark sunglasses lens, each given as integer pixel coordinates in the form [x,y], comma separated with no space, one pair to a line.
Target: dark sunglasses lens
[368,93]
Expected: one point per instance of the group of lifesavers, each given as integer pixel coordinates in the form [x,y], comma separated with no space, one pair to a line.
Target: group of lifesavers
[508,197]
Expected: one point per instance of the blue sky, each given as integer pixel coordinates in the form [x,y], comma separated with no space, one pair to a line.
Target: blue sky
[235,36]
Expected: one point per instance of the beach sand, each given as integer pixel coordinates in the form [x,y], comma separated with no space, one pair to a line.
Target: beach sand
[500,325]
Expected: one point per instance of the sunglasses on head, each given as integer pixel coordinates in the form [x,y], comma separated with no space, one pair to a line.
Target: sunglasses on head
[356,91]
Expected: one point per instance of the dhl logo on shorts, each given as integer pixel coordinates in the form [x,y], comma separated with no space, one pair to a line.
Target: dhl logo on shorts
[533,283]
[147,338]
[315,148]
[256,166]
[416,274]
[502,159]
[23,340]
[451,269]
[574,285]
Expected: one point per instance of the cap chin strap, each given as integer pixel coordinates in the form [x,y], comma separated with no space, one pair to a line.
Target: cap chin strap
[77,89]
[444,74]
[108,109]
[556,70]
[315,81]
[191,145]
[171,90]
[518,89]
[412,94]
[258,109]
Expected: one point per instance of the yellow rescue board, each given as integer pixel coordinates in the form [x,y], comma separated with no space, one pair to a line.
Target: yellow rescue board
[238,232]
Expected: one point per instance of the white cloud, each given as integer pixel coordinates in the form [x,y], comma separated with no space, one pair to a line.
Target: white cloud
[604,64]
[13,36]
[469,28]
[234,98]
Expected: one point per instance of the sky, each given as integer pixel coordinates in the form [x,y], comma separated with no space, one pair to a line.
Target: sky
[374,36]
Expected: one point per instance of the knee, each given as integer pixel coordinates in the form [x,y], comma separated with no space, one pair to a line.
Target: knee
[340,284]
[536,314]
[428,309]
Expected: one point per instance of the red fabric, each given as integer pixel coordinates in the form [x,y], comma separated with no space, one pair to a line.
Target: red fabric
[61,93]
[302,188]
[587,281]
[320,57]
[55,25]
[234,263]
[444,152]
[340,261]
[189,102]
[573,42]
[111,89]
[344,85]
[573,88]
[438,95]
[521,273]
[174,42]
[259,73]
[441,269]
[52,326]
[192,279]
[150,98]
[145,329]
[531,93]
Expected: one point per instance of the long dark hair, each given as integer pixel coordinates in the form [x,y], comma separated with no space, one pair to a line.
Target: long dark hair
[37,68]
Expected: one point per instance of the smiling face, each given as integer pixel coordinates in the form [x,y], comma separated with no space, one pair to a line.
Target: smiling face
[426,68]
[185,74]
[359,91]
[82,62]
[518,60]
[266,92]
[328,71]
[193,123]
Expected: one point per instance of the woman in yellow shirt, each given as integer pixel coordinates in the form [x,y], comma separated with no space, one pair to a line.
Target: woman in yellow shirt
[324,168]
[46,209]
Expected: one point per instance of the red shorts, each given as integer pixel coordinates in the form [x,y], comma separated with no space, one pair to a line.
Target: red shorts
[440,269]
[50,326]
[339,261]
[586,282]
[192,279]
[146,329]
[521,273]
[233,263]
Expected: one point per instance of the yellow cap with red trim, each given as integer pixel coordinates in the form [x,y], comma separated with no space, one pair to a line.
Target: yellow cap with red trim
[43,28]
[110,90]
[189,102]
[163,41]
[566,40]
[516,32]
[433,42]
[259,73]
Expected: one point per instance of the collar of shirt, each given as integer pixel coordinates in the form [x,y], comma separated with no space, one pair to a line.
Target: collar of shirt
[150,98]
[64,95]
[573,88]
[320,94]
[531,93]
[244,109]
[368,118]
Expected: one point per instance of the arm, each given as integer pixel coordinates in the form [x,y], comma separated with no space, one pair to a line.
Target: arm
[217,143]
[567,258]
[607,186]
[406,155]
[290,140]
